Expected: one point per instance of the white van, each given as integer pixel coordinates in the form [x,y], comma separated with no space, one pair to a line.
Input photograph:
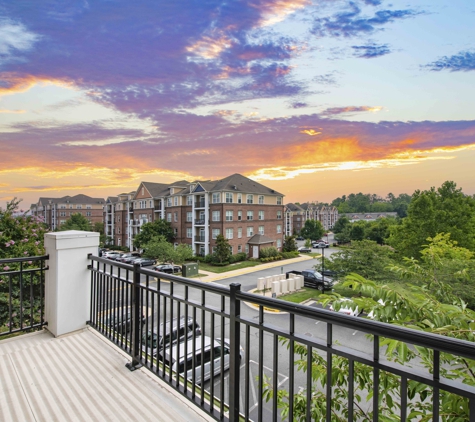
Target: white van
[201,357]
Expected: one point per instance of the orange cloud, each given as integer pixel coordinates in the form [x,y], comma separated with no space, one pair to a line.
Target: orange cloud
[310,132]
[208,47]
[275,11]
[16,83]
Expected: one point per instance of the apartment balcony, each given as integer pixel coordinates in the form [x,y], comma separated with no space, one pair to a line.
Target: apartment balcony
[200,204]
[95,363]
[200,238]
[199,222]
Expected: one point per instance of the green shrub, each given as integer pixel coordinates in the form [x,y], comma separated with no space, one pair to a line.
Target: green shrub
[268,252]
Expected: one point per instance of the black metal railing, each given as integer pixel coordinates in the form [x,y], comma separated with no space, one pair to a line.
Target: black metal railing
[22,287]
[270,344]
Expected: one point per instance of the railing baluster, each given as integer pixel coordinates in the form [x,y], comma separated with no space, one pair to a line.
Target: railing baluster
[436,394]
[235,362]
[376,379]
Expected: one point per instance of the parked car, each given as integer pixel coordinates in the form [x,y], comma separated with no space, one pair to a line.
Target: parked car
[201,358]
[167,268]
[314,279]
[111,255]
[121,321]
[128,257]
[181,329]
[319,245]
[303,249]
[329,273]
[299,238]
[143,262]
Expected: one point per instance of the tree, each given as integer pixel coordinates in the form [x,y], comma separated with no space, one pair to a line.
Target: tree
[21,235]
[312,229]
[340,224]
[223,249]
[289,244]
[150,230]
[76,222]
[364,257]
[159,249]
[357,231]
[442,210]
[410,306]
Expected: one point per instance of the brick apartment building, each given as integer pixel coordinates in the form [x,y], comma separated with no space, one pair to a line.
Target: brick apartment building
[55,211]
[297,214]
[247,213]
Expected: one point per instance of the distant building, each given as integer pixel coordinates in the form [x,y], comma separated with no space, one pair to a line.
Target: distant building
[297,214]
[368,216]
[55,211]
[235,206]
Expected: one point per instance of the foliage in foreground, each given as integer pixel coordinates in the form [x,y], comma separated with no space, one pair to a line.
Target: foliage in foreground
[412,307]
[20,236]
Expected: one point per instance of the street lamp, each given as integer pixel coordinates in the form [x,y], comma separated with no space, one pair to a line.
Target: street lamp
[323,264]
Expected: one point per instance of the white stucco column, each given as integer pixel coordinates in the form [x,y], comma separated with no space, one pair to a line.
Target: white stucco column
[68,281]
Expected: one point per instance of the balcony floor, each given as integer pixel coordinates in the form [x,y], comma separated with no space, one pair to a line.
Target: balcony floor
[82,377]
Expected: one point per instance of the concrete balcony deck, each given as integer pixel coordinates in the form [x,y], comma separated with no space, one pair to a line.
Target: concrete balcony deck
[81,377]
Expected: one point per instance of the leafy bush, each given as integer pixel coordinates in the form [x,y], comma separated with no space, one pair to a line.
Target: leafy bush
[268,252]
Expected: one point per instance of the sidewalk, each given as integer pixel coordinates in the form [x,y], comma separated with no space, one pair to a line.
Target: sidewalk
[211,277]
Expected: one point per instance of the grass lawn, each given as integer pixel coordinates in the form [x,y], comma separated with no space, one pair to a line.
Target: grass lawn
[231,267]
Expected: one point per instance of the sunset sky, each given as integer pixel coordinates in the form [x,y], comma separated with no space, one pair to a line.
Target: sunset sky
[315,99]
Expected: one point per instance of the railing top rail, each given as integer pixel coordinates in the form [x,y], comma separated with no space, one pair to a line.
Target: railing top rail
[211,287]
[421,338]
[24,259]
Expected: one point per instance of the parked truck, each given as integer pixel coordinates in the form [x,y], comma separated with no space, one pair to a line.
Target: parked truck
[314,279]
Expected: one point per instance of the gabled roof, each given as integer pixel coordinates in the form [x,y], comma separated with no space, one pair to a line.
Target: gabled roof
[294,207]
[154,189]
[260,239]
[238,183]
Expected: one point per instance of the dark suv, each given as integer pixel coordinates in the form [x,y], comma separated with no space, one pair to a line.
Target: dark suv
[167,268]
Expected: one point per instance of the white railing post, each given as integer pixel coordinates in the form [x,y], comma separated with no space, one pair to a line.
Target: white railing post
[68,281]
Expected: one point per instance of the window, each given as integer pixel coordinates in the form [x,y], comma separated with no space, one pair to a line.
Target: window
[261,199]
[62,207]
[175,201]
[250,215]
[189,200]
[88,207]
[189,216]
[239,215]
[279,200]
[250,231]
[78,207]
[229,216]
[279,228]
[175,231]
[239,232]
[239,198]
[239,248]
[189,232]
[247,248]
[216,216]
[88,214]
[151,204]
[62,214]
[279,214]
[229,197]
[261,229]
[229,233]
[169,217]
[261,215]
[175,216]
[169,202]
[279,243]
[215,233]
[215,198]
[250,199]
